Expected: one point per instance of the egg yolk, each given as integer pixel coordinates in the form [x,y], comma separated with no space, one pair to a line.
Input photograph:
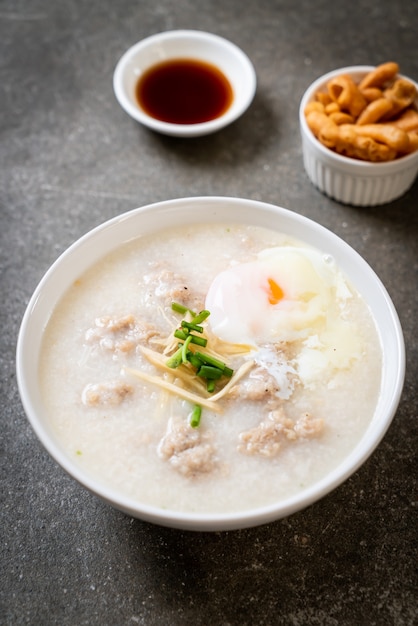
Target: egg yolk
[274,292]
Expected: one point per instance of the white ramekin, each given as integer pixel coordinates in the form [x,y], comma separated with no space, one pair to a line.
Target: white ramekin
[348,180]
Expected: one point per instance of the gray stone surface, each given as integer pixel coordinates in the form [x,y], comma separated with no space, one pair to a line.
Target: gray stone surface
[71,158]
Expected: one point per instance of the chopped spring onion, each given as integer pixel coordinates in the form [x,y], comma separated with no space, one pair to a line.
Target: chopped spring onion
[176,359]
[184,349]
[209,372]
[200,341]
[200,371]
[207,367]
[200,317]
[210,360]
[194,360]
[195,416]
[190,326]
[180,308]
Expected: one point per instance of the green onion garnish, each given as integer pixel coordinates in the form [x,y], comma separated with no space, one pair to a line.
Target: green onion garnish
[190,326]
[210,386]
[176,359]
[200,317]
[180,308]
[195,416]
[184,349]
[206,366]
[212,373]
[210,360]
[194,360]
[199,341]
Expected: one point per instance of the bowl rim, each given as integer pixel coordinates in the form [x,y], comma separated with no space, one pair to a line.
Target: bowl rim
[170,209]
[364,167]
[237,108]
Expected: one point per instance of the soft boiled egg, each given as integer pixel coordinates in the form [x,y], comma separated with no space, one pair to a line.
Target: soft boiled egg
[286,294]
[280,296]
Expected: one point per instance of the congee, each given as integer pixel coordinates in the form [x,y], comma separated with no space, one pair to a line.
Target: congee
[211,368]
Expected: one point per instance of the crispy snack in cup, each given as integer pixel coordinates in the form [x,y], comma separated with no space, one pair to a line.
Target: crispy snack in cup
[339,117]
[401,95]
[408,120]
[346,94]
[380,75]
[372,93]
[363,147]
[386,134]
[413,140]
[324,98]
[374,111]
[374,120]
[345,139]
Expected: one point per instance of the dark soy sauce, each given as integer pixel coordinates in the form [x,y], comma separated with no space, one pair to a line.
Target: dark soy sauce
[184,91]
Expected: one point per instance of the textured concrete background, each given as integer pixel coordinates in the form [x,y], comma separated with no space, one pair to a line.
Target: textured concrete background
[69,159]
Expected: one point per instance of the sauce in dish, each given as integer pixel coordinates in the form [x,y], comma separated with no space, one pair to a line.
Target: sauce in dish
[184,91]
[255,384]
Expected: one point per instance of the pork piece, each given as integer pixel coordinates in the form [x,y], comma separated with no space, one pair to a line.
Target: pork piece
[110,393]
[120,334]
[259,385]
[171,287]
[267,438]
[273,378]
[267,383]
[186,449]
[308,426]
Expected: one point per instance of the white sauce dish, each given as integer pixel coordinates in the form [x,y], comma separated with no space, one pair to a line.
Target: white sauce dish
[172,105]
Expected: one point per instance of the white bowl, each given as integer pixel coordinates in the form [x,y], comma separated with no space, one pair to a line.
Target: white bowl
[348,180]
[150,219]
[181,44]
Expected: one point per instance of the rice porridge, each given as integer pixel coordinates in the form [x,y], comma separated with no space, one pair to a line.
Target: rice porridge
[211,368]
